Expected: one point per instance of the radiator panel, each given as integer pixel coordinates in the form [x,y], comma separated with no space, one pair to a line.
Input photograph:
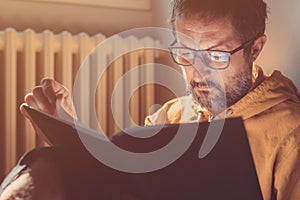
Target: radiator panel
[28,56]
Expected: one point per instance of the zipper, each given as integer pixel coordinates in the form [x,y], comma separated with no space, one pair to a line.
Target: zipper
[200,114]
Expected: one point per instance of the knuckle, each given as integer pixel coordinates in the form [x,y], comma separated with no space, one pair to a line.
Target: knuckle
[37,90]
[48,83]
[28,97]
[47,80]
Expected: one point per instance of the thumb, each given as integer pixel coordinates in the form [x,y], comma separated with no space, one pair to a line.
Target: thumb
[24,112]
[64,108]
[34,125]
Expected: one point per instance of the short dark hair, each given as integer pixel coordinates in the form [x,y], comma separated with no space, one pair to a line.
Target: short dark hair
[248,17]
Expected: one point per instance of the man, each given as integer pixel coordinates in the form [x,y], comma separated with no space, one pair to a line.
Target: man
[268,105]
[216,44]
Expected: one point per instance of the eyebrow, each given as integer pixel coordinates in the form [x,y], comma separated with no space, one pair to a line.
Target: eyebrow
[212,48]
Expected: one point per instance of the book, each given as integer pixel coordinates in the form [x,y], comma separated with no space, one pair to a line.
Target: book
[227,172]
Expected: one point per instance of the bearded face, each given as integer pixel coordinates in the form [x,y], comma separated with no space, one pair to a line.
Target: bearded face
[213,88]
[215,95]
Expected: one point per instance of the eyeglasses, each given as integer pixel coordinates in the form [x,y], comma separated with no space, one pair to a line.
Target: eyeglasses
[214,59]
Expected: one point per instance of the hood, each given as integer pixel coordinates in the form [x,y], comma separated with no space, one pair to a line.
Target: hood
[267,92]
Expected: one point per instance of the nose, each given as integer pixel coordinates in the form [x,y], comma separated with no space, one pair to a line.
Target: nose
[200,70]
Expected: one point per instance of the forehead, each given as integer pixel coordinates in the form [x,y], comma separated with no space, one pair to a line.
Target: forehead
[205,33]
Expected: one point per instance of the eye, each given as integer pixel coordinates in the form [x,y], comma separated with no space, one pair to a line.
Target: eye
[182,56]
[218,56]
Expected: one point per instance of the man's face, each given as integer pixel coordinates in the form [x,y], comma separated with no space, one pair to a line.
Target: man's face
[214,89]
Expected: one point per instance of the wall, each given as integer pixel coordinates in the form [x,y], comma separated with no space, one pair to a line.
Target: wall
[74,18]
[283,45]
[161,11]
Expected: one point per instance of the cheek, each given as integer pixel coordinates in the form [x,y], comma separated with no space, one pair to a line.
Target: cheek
[238,64]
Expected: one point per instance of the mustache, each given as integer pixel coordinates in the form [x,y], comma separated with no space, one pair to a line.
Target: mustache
[208,83]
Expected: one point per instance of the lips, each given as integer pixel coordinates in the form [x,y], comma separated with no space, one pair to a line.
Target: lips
[202,86]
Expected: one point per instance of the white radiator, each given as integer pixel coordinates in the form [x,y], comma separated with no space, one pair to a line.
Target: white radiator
[26,57]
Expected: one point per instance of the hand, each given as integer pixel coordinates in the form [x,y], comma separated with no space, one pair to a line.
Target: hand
[50,97]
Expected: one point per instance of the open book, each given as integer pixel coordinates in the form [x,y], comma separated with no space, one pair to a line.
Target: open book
[227,172]
[57,131]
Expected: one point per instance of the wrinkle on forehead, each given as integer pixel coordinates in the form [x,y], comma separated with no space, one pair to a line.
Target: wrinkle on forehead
[206,34]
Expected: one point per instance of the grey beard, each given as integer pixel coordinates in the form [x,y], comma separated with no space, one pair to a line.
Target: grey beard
[226,97]
[237,93]
[213,105]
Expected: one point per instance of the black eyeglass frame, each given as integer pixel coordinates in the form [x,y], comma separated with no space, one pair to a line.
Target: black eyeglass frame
[242,46]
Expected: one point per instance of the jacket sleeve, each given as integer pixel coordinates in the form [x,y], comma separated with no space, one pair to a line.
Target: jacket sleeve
[287,169]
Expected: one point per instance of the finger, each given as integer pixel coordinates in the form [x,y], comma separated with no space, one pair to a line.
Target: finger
[64,105]
[34,125]
[56,92]
[23,111]
[41,100]
[29,99]
[48,89]
[52,89]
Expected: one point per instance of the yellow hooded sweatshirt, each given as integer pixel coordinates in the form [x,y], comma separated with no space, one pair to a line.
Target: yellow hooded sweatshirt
[271,114]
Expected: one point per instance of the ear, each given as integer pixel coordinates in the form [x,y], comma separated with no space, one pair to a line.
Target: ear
[257,47]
